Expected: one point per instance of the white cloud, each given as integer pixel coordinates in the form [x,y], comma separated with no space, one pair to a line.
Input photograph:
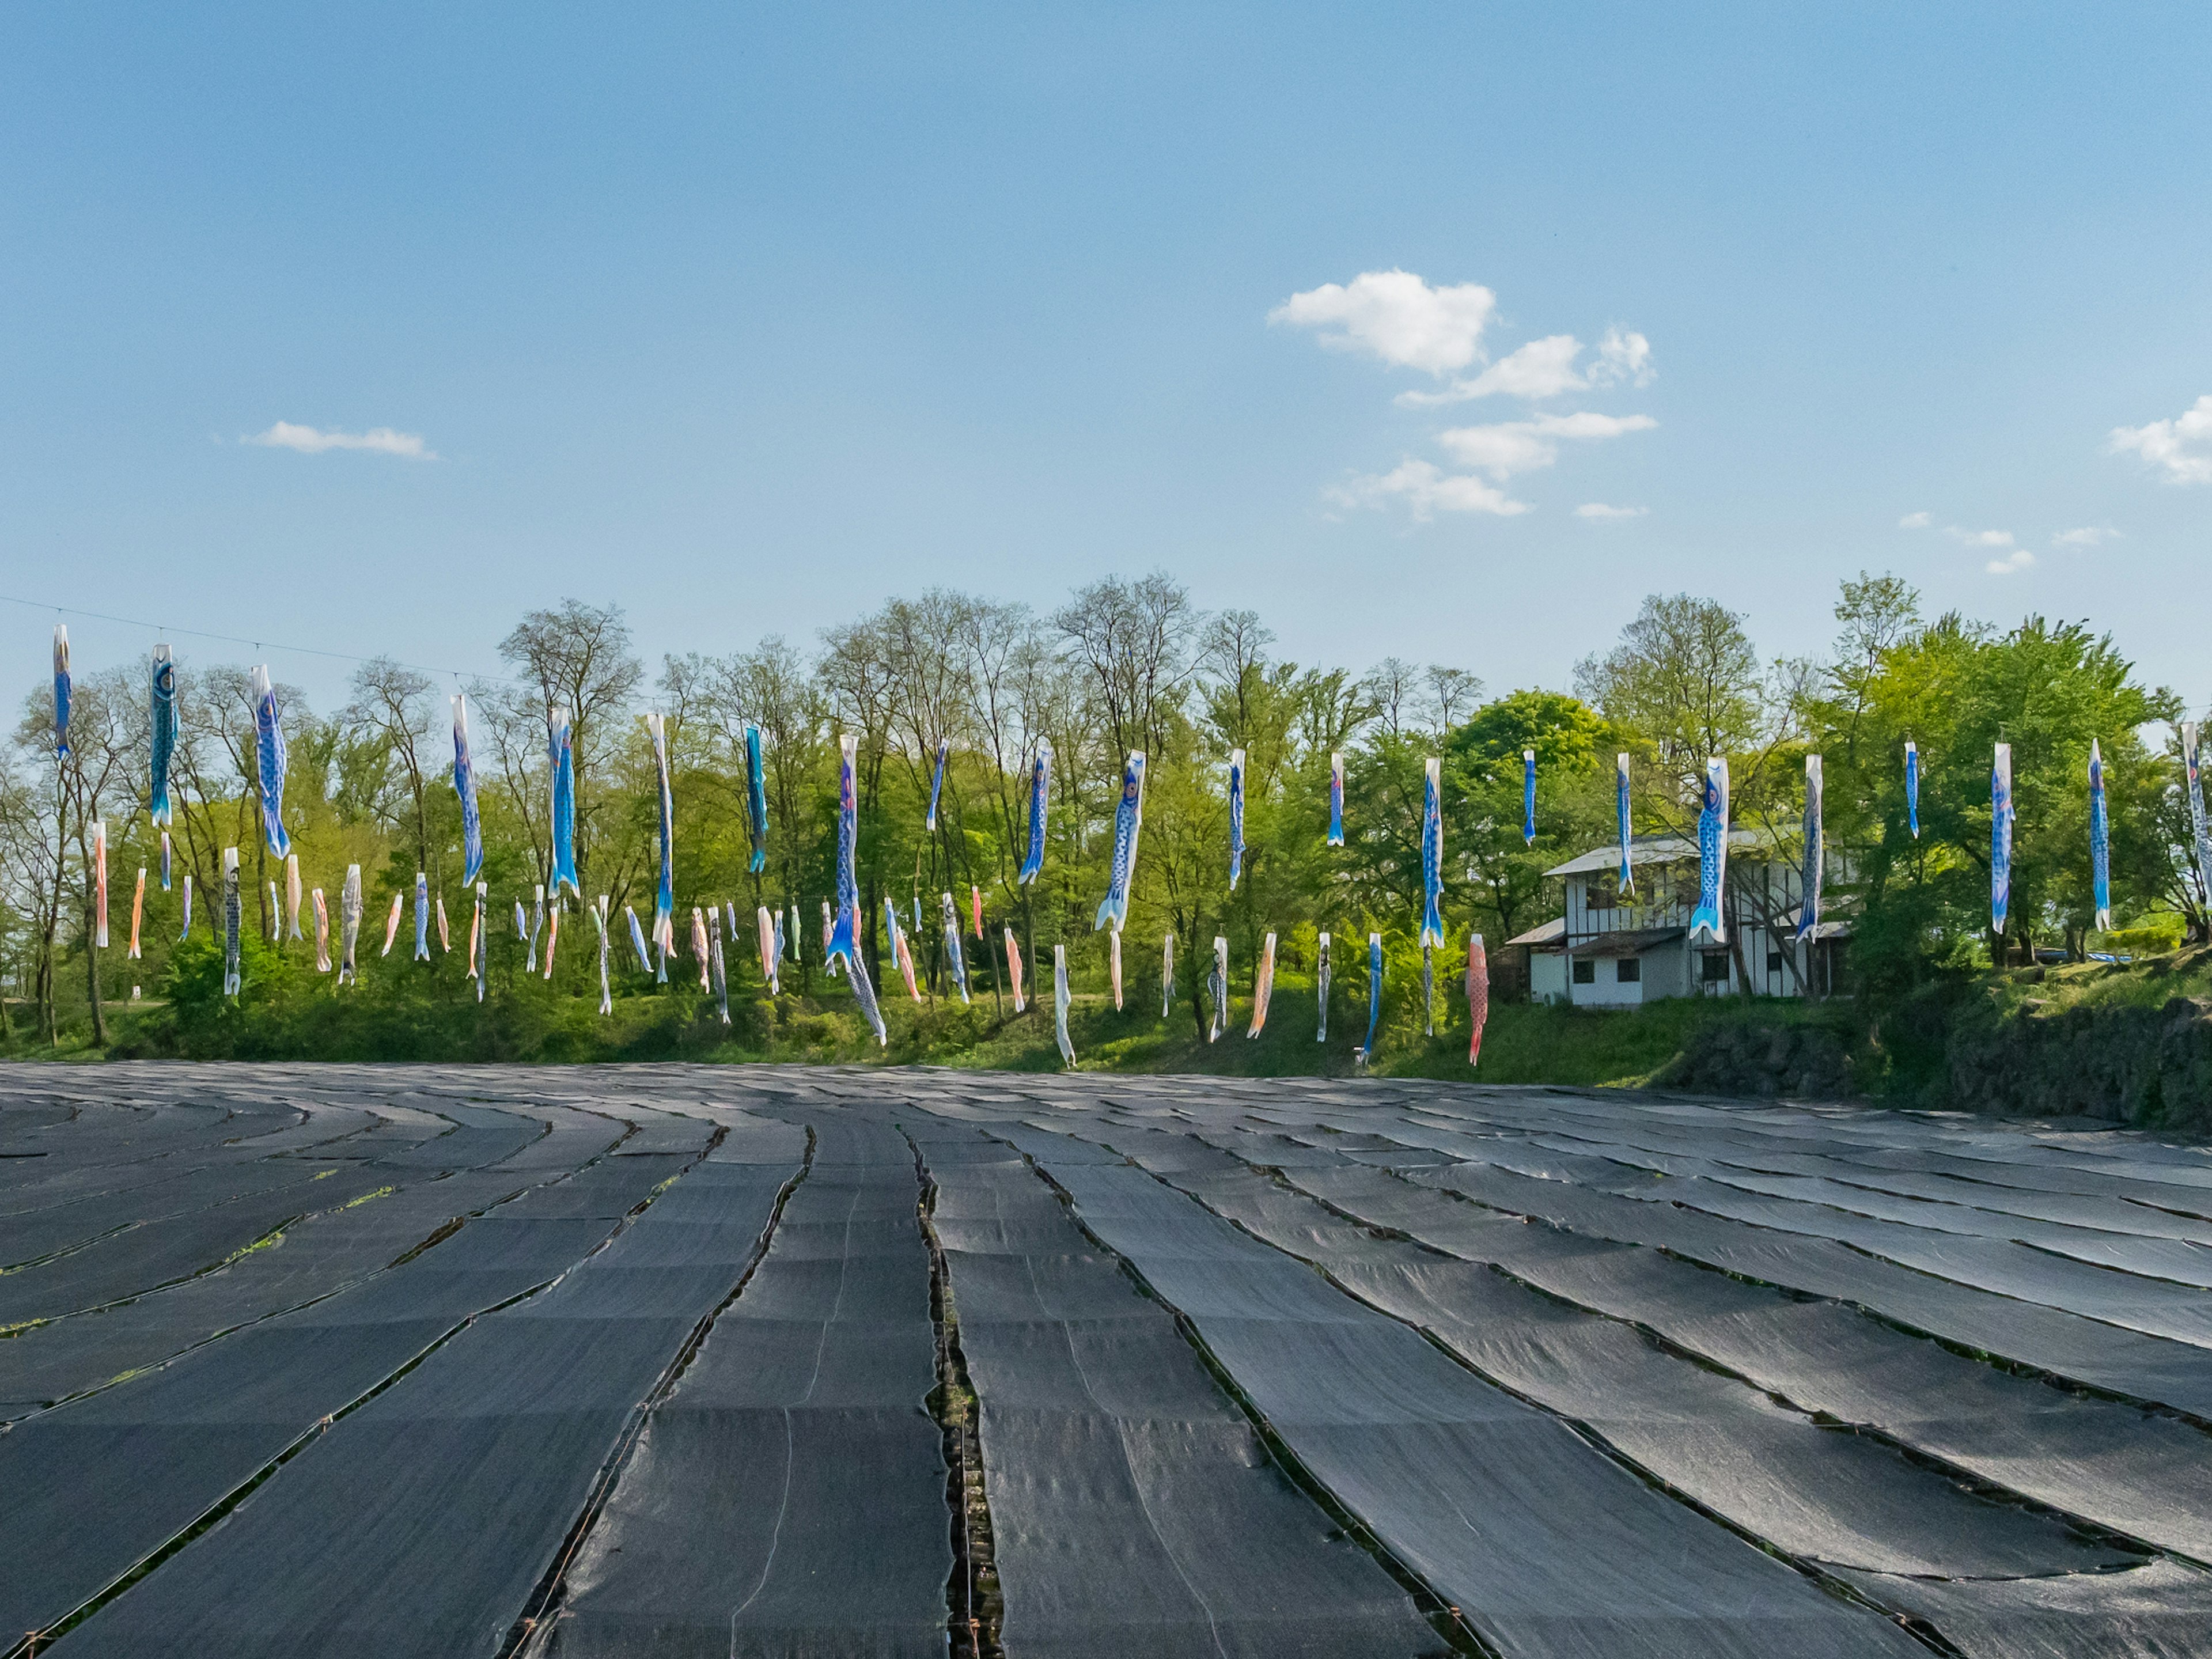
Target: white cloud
[1979,537]
[2182,446]
[1916,521]
[311,441]
[1623,357]
[1541,369]
[1599,510]
[1397,317]
[2089,535]
[2019,559]
[1506,448]
[1427,490]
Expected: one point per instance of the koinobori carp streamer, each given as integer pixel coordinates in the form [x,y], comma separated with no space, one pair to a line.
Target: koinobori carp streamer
[1128,824]
[1713,853]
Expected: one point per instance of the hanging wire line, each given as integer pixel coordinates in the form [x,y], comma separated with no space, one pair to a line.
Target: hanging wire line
[258,644]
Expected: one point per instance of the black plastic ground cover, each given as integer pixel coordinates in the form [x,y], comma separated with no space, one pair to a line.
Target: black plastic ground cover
[135,1260]
[1132,1508]
[1826,1498]
[418,1524]
[2142,1473]
[1548,1545]
[2161,1610]
[313,1257]
[788,1496]
[2105,1357]
[44,1232]
[98,1486]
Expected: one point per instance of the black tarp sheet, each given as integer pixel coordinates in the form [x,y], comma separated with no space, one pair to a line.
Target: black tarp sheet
[1548,1547]
[1132,1508]
[788,1495]
[419,1524]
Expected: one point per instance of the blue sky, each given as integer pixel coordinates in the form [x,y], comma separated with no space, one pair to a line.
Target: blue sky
[749,318]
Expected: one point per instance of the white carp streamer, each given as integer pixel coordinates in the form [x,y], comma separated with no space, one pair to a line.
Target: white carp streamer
[322,933]
[480,941]
[348,924]
[1320,985]
[1059,1002]
[1114,965]
[1167,974]
[292,895]
[767,926]
[1217,987]
[232,913]
[1263,988]
[700,947]
[958,963]
[606,990]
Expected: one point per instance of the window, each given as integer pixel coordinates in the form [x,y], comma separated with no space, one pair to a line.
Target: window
[1773,962]
[1714,968]
[1598,893]
[1628,970]
[1585,971]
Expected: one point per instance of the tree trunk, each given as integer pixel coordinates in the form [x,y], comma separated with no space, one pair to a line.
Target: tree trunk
[92,974]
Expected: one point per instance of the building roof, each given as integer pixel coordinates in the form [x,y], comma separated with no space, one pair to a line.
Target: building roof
[1633,944]
[1651,850]
[1550,934]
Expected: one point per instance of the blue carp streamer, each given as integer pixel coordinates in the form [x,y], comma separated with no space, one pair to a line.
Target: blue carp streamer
[1528,798]
[1814,866]
[1320,987]
[233,914]
[1236,817]
[465,786]
[561,766]
[1432,854]
[186,932]
[1374,989]
[1336,798]
[421,917]
[1059,1002]
[165,861]
[953,958]
[755,800]
[1129,822]
[1712,851]
[1040,782]
[864,995]
[2000,821]
[936,781]
[2200,839]
[1625,823]
[637,941]
[61,690]
[2100,840]
[844,931]
[269,761]
[162,730]
[1912,787]
[663,897]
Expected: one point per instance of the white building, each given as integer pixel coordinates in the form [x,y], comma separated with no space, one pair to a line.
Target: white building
[1615,950]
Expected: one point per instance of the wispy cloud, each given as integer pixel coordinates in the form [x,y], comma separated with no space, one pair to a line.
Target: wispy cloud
[2089,535]
[312,441]
[1979,537]
[1505,448]
[2019,559]
[2182,447]
[1623,358]
[1916,521]
[1599,510]
[1427,490]
[1395,316]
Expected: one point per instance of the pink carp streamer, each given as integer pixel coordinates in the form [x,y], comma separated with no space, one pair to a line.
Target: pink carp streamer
[444,928]
[292,894]
[767,926]
[1114,965]
[1014,971]
[1478,994]
[701,948]
[552,930]
[1263,987]
[391,926]
[100,879]
[322,933]
[976,907]
[138,915]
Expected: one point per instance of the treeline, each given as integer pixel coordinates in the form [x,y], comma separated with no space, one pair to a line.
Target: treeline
[1124,664]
